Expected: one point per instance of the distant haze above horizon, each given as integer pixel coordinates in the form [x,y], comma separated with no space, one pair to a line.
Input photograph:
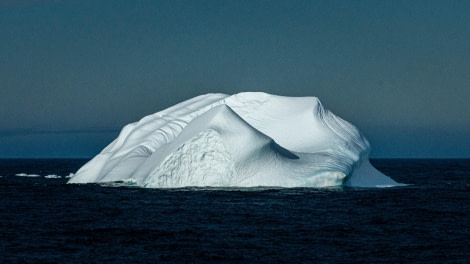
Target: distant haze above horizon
[73,73]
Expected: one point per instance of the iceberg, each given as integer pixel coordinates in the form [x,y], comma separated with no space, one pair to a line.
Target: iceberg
[53,176]
[244,140]
[27,175]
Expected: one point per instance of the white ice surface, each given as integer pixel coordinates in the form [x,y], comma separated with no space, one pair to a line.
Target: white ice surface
[27,175]
[52,176]
[243,140]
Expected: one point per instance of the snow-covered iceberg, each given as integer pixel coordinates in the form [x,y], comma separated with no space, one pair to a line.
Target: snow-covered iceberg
[244,140]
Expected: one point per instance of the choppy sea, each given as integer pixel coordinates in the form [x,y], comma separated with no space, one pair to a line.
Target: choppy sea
[45,220]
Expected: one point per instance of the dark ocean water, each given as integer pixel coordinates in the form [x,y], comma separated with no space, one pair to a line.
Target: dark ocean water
[47,221]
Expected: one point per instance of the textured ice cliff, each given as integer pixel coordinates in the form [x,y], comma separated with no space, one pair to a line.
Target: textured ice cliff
[243,140]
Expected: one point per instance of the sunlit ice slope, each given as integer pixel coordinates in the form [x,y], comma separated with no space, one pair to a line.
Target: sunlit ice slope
[244,140]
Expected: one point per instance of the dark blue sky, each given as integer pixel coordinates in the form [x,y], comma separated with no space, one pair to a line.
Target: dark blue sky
[72,73]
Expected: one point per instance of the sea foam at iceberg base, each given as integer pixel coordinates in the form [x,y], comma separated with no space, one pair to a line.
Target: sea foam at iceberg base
[243,140]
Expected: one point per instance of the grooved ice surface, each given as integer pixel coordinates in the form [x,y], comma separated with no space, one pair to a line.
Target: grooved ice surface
[244,140]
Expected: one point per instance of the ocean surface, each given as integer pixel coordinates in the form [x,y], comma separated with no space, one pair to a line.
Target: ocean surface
[45,220]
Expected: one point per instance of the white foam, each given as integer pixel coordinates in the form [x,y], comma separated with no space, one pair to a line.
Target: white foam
[244,140]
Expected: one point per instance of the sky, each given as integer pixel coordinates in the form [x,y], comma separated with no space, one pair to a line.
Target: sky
[74,72]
